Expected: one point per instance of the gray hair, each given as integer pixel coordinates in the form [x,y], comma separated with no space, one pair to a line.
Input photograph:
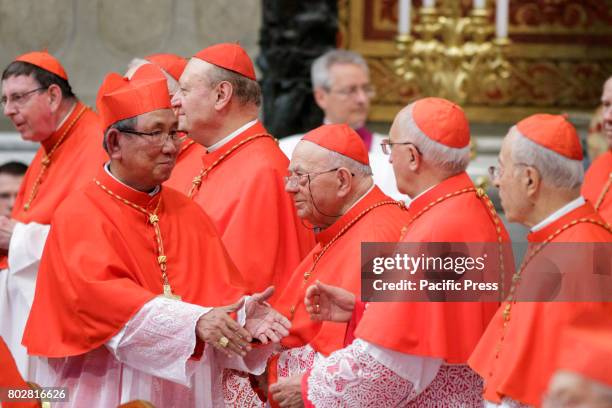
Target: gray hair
[319,71]
[129,123]
[452,160]
[247,91]
[339,160]
[136,63]
[556,170]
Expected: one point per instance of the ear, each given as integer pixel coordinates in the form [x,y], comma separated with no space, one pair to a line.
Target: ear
[345,181]
[55,97]
[320,97]
[532,181]
[414,158]
[113,144]
[224,91]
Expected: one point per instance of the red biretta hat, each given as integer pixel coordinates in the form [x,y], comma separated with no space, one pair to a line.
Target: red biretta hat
[586,346]
[121,98]
[44,60]
[171,63]
[341,139]
[229,56]
[442,121]
[553,132]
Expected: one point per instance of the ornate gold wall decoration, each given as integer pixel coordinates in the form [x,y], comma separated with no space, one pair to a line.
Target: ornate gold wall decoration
[559,56]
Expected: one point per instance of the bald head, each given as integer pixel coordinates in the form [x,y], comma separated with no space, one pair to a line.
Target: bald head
[606,101]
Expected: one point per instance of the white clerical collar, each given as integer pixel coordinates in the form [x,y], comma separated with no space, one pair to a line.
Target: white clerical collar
[229,137]
[107,168]
[362,197]
[66,117]
[412,199]
[572,205]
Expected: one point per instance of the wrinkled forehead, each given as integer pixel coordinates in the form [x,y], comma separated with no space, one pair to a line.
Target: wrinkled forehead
[308,156]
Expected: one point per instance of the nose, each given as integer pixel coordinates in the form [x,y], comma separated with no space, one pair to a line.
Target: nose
[362,96]
[176,100]
[9,109]
[291,186]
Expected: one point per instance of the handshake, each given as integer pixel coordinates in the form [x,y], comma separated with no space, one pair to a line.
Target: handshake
[263,323]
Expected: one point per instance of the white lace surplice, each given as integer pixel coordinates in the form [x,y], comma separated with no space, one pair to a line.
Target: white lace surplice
[149,359]
[366,375]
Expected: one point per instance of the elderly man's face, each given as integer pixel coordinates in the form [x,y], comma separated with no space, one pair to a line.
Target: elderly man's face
[313,184]
[512,192]
[9,187]
[348,99]
[149,160]
[27,106]
[606,101]
[402,157]
[194,102]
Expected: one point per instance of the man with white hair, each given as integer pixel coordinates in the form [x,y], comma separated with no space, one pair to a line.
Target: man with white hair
[539,176]
[342,89]
[415,353]
[330,180]
[597,187]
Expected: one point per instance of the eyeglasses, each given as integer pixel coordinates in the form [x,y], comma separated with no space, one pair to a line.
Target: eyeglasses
[295,180]
[157,137]
[353,91]
[387,146]
[495,172]
[19,99]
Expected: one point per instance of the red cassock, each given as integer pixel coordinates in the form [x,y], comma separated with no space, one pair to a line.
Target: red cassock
[73,163]
[340,266]
[435,329]
[11,379]
[517,361]
[100,265]
[597,186]
[243,192]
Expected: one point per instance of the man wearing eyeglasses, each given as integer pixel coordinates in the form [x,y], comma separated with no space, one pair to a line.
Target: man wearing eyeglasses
[37,98]
[539,176]
[342,89]
[331,182]
[597,187]
[134,278]
[414,354]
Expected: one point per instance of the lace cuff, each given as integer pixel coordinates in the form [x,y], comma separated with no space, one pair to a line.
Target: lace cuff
[160,339]
[353,377]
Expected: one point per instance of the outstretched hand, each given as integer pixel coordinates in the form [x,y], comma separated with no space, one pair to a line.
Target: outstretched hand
[327,302]
[262,321]
[218,329]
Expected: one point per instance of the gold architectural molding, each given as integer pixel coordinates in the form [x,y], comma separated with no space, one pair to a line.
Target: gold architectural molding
[554,68]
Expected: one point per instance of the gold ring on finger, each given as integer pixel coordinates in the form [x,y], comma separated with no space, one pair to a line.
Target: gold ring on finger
[223,341]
